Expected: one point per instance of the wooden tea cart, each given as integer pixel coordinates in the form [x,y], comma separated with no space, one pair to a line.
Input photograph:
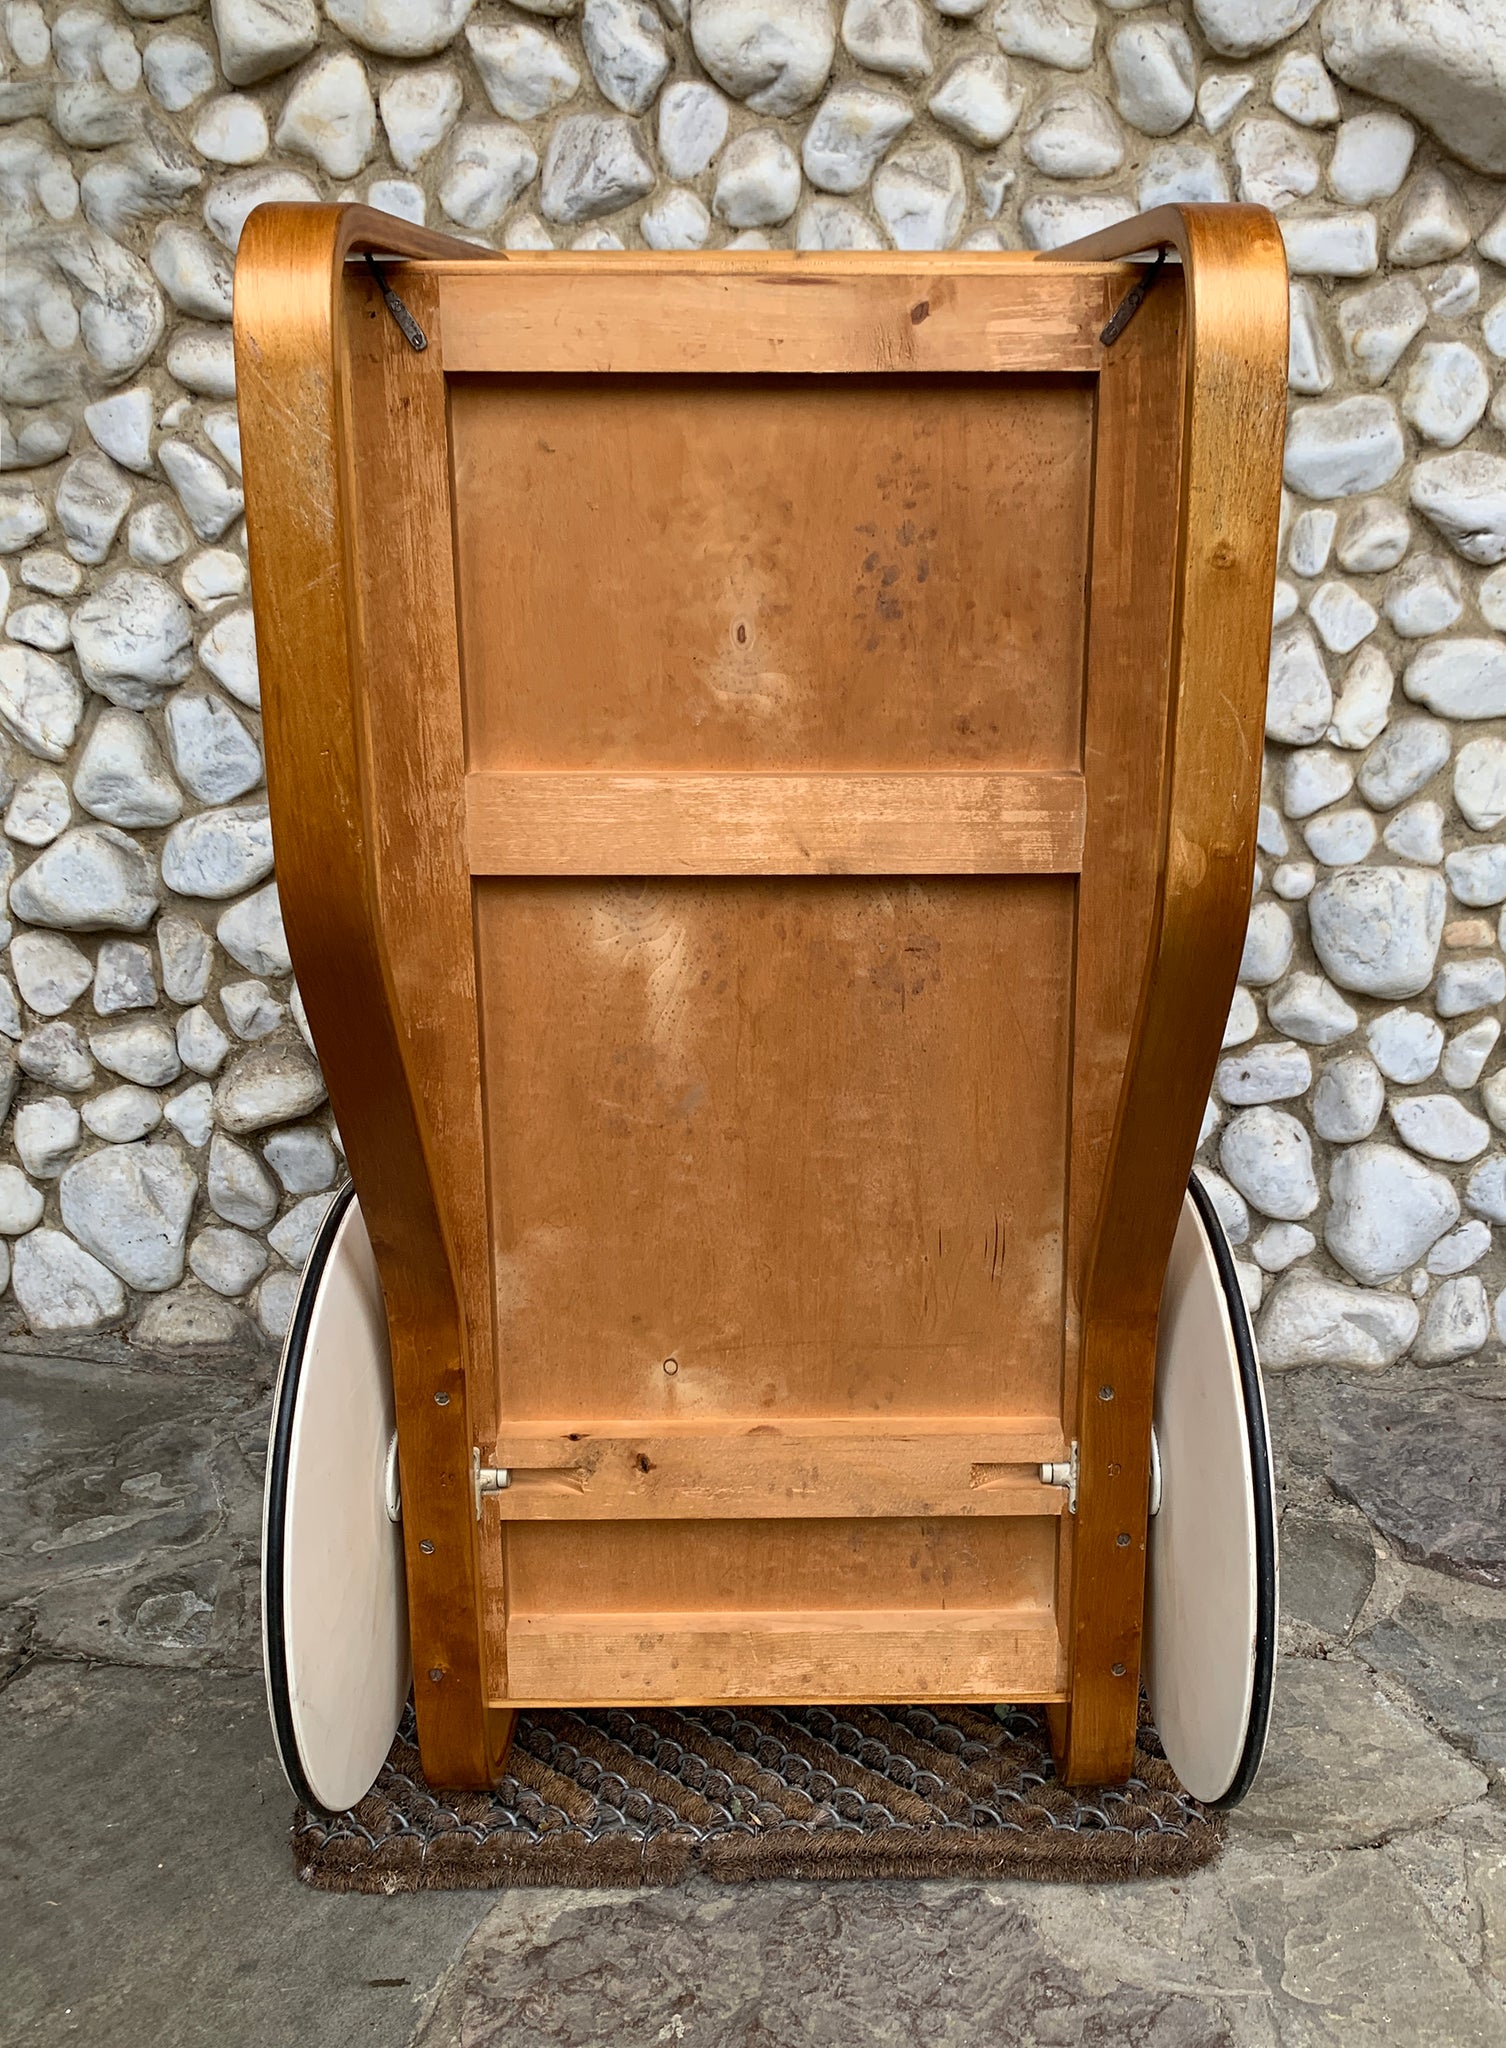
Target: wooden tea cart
[764,754]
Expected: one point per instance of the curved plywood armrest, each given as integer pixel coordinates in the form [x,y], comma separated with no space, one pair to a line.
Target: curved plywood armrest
[291,297]
[1234,280]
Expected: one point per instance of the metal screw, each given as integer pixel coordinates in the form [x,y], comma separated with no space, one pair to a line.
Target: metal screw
[1117,1669]
[671,1365]
[436,1674]
[441,1400]
[1122,1541]
[427,1547]
[1105,1393]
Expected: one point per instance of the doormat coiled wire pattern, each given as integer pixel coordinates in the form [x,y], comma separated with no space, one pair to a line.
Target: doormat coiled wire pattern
[622,1796]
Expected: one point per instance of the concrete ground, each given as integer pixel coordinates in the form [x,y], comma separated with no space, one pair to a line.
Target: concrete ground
[148,1888]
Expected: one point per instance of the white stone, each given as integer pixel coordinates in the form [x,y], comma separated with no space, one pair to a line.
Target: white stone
[1463,678]
[1072,134]
[1465,985]
[218,853]
[202,1045]
[1423,597]
[1309,367]
[20,1202]
[240,1189]
[978,100]
[1051,219]
[91,879]
[50,972]
[594,164]
[133,638]
[40,625]
[1417,832]
[92,499]
[1303,90]
[23,517]
[1268,945]
[625,48]
[1371,156]
[1314,777]
[259,38]
[1454,291]
[827,223]
[191,1113]
[1340,838]
[1055,32]
[419,108]
[178,70]
[129,1205]
[1299,698]
[122,1115]
[1180,173]
[1280,1245]
[1493,1095]
[1239,28]
[599,238]
[1373,535]
[203,359]
[1243,1020]
[1430,223]
[210,501]
[213,753]
[692,128]
[214,577]
[232,130]
[527,72]
[142,1050]
[1457,1323]
[1444,61]
[230,203]
[1477,875]
[1460,1249]
[920,196]
[1464,496]
[1405,757]
[774,54]
[1386,1211]
[302,1158]
[1376,930]
[1339,448]
[1272,1072]
[1493,327]
[1311,537]
[123,978]
[292,1236]
[1492,243]
[1331,245]
[1233,1211]
[404,28]
[1268,1156]
[887,36]
[39,809]
[1155,74]
[1312,1321]
[157,536]
[48,570]
[1294,879]
[270,1084]
[251,932]
[526,231]
[227,1260]
[1343,618]
[1311,1009]
[1439,1127]
[1447,392]
[122,426]
[60,1288]
[1274,164]
[676,220]
[1220,96]
[758,180]
[45,1133]
[121,777]
[399,196]
[228,653]
[1364,702]
[186,956]
[1486,1192]
[54,1055]
[251,1009]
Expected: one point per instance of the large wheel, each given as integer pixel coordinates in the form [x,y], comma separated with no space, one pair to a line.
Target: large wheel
[1212,1588]
[334,1599]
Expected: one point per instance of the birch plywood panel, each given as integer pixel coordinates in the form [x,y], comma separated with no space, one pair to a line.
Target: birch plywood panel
[791,572]
[805,1139]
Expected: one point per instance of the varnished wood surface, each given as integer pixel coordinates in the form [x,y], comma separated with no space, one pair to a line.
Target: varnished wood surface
[531,822]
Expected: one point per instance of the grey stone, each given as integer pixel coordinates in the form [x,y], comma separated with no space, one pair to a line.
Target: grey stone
[270,1084]
[1056,32]
[1376,930]
[191,1113]
[230,203]
[211,503]
[1465,985]
[1314,778]
[129,1205]
[625,48]
[1327,1568]
[1240,28]
[302,1158]
[219,853]
[156,536]
[292,1236]
[330,115]
[187,956]
[227,1260]
[1447,392]
[1447,1646]
[276,1299]
[1373,534]
[93,878]
[251,1009]
[60,1288]
[1155,76]
[1416,833]
[1385,1212]
[1308,1320]
[20,1202]
[593,165]
[401,28]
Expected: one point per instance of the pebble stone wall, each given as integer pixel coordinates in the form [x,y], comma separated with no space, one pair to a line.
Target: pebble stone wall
[166,1152]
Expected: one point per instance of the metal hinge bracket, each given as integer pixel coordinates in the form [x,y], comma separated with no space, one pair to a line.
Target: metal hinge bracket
[486,1478]
[1064,1474]
[408,327]
[1133,300]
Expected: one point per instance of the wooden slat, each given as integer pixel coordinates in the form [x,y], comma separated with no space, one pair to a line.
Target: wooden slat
[1005,1653]
[732,1469]
[699,318]
[534,822]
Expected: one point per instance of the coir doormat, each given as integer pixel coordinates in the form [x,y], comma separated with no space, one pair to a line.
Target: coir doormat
[640,1797]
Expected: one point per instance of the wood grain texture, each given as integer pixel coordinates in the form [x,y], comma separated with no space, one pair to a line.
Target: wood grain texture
[531,822]
[294,310]
[721,315]
[1233,408]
